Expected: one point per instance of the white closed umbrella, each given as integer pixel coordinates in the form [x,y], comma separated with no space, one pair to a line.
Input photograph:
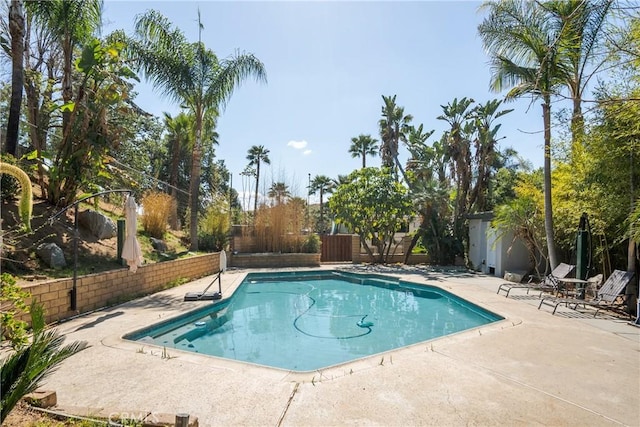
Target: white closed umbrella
[223,261]
[131,252]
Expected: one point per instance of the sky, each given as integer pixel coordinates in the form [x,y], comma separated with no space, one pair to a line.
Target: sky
[328,65]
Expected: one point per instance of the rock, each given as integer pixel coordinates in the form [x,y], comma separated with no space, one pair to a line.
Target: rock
[52,255]
[98,224]
[42,398]
[158,245]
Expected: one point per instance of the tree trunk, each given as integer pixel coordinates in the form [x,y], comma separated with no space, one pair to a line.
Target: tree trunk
[548,211]
[255,201]
[16,28]
[173,181]
[67,86]
[194,187]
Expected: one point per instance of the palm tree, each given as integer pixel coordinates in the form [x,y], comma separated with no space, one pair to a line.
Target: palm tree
[580,26]
[16,29]
[522,42]
[23,371]
[363,146]
[486,157]
[180,132]
[257,154]
[457,114]
[321,184]
[394,126]
[280,192]
[179,139]
[192,75]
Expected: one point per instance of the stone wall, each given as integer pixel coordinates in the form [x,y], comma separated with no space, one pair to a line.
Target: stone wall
[103,289]
[265,260]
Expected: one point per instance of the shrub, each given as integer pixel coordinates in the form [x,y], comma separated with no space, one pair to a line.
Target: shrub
[311,244]
[156,208]
[213,226]
[12,298]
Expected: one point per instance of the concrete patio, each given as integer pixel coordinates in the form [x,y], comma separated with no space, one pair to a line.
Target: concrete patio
[532,368]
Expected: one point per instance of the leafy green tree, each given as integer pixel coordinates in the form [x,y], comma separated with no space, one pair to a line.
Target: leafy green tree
[192,75]
[321,184]
[257,155]
[374,205]
[214,225]
[394,126]
[72,23]
[363,146]
[23,371]
[521,41]
[90,134]
[523,216]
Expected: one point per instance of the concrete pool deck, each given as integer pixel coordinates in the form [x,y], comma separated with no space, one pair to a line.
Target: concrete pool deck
[532,368]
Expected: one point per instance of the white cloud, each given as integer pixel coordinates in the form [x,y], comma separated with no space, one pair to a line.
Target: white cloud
[306,152]
[298,145]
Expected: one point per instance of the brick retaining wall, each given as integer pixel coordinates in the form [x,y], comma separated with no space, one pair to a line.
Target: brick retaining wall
[264,260]
[103,289]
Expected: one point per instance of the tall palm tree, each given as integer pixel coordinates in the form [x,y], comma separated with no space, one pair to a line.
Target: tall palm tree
[486,155]
[192,75]
[522,42]
[394,126]
[457,113]
[280,192]
[581,29]
[257,155]
[179,138]
[363,146]
[16,30]
[321,184]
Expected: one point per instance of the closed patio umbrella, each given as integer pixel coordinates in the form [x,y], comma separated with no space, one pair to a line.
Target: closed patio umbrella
[131,252]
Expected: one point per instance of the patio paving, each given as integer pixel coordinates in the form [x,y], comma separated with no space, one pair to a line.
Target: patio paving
[532,368]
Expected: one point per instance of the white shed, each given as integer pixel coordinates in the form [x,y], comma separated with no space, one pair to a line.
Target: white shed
[492,255]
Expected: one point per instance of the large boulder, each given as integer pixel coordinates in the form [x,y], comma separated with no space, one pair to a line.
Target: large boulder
[52,255]
[98,224]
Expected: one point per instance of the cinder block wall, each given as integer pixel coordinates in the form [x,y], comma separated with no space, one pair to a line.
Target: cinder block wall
[103,289]
[274,260]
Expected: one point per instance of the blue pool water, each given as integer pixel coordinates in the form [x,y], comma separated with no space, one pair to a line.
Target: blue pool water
[304,321]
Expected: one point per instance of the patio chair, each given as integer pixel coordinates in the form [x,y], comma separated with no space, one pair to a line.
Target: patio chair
[610,296]
[549,283]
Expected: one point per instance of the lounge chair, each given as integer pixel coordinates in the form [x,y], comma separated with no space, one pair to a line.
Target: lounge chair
[610,296]
[549,283]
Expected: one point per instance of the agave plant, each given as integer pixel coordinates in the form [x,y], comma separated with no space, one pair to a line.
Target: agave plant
[23,371]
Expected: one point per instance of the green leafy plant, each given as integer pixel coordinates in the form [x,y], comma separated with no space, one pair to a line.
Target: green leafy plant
[23,371]
[13,298]
[311,244]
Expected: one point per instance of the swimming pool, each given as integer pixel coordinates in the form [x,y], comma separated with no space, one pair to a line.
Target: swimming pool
[304,321]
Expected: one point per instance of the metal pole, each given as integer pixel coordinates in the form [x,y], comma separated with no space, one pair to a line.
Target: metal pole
[182,420]
[76,236]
